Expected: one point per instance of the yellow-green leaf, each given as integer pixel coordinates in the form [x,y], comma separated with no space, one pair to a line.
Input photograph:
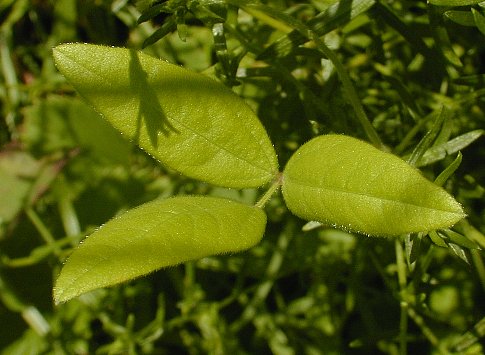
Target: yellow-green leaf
[479,20]
[155,235]
[344,182]
[186,120]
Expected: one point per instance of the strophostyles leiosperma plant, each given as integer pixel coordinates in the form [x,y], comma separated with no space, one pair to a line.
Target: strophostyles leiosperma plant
[203,130]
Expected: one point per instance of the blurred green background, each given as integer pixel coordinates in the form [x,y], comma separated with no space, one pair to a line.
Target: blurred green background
[305,289]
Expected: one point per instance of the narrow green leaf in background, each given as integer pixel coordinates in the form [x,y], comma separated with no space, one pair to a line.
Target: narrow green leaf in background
[430,136]
[439,152]
[13,191]
[450,170]
[63,123]
[479,20]
[186,120]
[407,31]
[168,26]
[464,18]
[454,2]
[338,14]
[460,240]
[155,235]
[344,182]
[154,11]
[477,80]
[437,239]
[23,179]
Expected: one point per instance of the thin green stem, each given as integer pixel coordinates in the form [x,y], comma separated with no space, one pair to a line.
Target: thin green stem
[285,23]
[69,217]
[401,276]
[43,230]
[11,82]
[427,332]
[350,90]
[280,26]
[271,273]
[32,316]
[271,191]
[479,266]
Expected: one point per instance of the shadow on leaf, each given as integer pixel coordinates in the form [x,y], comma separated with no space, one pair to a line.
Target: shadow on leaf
[150,110]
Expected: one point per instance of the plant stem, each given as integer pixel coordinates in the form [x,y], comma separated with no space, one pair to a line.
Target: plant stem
[350,90]
[433,339]
[13,96]
[401,275]
[479,266]
[32,316]
[42,229]
[272,189]
[69,217]
[285,23]
[270,276]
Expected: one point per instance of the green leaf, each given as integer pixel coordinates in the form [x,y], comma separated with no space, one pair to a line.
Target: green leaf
[450,169]
[472,233]
[337,15]
[460,240]
[454,2]
[477,80]
[204,12]
[168,26]
[460,252]
[347,183]
[413,248]
[153,12]
[23,179]
[464,18]
[186,120]
[58,122]
[14,191]
[441,36]
[155,235]
[428,139]
[479,20]
[454,145]
[437,239]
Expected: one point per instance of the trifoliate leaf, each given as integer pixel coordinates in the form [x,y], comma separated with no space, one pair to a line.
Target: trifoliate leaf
[186,120]
[155,235]
[347,183]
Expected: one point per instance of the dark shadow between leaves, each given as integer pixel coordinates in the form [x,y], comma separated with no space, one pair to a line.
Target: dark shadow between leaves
[150,110]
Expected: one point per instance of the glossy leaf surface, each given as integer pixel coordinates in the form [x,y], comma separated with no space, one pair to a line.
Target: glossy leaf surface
[186,120]
[347,183]
[155,235]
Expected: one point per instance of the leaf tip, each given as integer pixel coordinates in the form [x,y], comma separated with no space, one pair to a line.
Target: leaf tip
[58,296]
[66,50]
[60,49]
[66,288]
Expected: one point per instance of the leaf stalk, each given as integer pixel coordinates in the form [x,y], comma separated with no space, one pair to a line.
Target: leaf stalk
[271,191]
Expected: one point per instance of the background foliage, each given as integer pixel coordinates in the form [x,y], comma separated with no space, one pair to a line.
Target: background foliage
[304,289]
